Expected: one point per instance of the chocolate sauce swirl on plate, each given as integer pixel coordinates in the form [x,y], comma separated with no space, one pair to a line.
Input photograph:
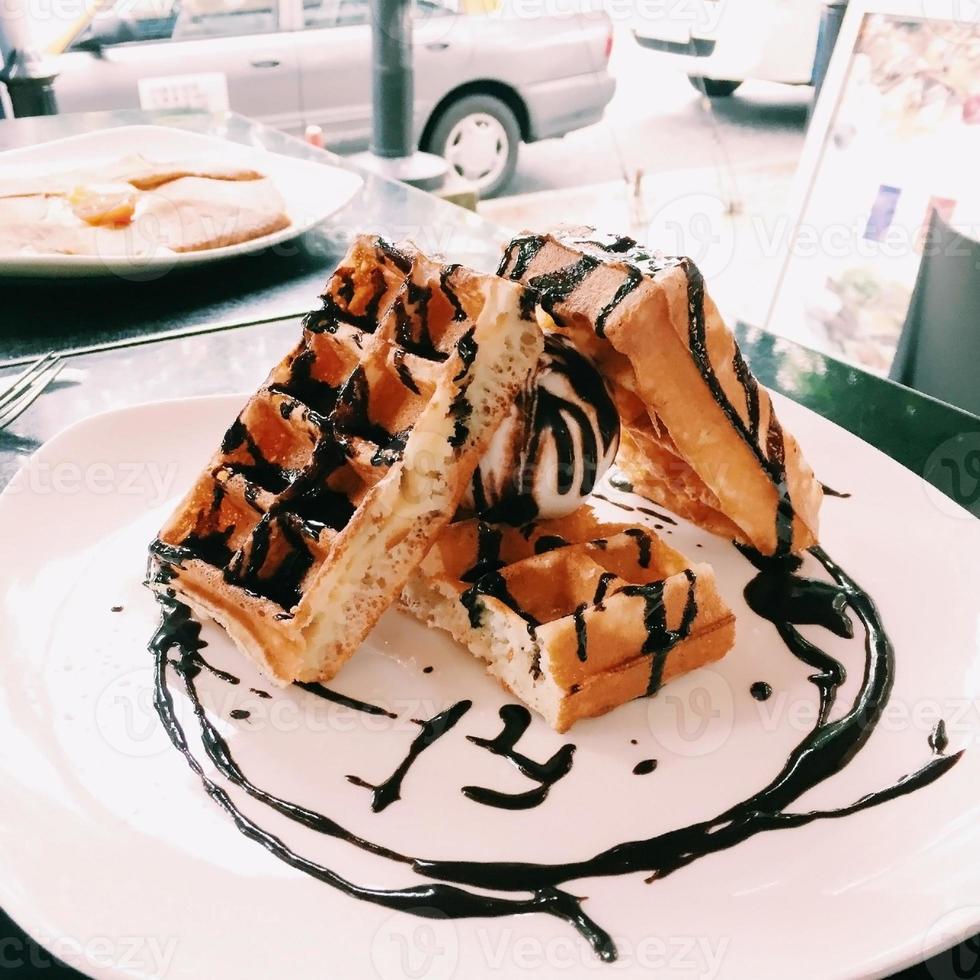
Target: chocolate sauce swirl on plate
[473,889]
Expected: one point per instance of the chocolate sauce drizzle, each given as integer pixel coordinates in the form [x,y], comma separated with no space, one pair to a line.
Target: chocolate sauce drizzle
[386,793]
[581,632]
[827,749]
[602,587]
[649,511]
[772,458]
[761,691]
[344,700]
[633,279]
[448,271]
[517,719]
[831,492]
[645,767]
[643,545]
[561,423]
[787,600]
[554,287]
[660,639]
[520,252]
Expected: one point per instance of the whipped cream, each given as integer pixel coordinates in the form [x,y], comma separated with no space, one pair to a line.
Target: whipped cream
[559,439]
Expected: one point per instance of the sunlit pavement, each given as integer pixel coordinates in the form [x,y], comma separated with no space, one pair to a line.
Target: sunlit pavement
[657,121]
[716,180]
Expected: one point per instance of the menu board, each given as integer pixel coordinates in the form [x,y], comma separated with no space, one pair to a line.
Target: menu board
[898,138]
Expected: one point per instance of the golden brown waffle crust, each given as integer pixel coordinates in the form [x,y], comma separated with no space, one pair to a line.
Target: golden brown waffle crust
[582,657]
[399,505]
[637,315]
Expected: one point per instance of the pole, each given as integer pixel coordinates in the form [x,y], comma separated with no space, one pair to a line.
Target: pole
[392,92]
[393,153]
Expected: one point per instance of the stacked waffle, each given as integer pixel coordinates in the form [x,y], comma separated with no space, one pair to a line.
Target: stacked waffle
[699,432]
[334,492]
[338,475]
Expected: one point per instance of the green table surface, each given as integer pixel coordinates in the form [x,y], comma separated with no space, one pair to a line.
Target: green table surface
[193,333]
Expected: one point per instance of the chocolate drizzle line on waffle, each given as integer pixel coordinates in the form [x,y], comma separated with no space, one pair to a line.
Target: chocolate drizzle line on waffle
[827,749]
[633,279]
[772,459]
[660,638]
[560,284]
[489,539]
[459,314]
[581,632]
[521,251]
[386,793]
[404,375]
[831,492]
[602,587]
[548,542]
[517,720]
[318,395]
[643,545]
[493,585]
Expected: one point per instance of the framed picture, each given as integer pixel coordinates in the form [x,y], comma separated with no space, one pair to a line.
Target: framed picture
[895,136]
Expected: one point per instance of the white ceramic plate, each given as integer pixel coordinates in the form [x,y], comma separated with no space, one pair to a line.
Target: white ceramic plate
[311,191]
[115,857]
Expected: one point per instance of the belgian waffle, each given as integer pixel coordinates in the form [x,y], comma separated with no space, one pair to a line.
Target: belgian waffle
[337,476]
[573,616]
[699,433]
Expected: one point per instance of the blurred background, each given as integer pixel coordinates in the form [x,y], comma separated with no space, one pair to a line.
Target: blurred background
[692,125]
[621,114]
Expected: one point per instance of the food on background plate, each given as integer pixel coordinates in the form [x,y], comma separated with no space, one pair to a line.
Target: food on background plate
[699,434]
[333,482]
[136,207]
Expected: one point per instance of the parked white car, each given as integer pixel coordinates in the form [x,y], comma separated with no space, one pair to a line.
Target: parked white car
[483,82]
[721,43]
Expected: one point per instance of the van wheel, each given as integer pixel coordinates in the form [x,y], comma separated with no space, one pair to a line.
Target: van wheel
[714,88]
[478,136]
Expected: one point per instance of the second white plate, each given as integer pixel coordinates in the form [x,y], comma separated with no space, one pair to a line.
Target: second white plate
[311,191]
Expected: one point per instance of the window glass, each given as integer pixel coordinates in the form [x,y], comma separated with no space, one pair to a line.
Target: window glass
[128,22]
[336,13]
[352,13]
[225,18]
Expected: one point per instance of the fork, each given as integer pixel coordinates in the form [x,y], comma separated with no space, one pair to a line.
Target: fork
[26,388]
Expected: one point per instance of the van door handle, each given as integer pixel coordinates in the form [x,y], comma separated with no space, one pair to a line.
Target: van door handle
[265,63]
